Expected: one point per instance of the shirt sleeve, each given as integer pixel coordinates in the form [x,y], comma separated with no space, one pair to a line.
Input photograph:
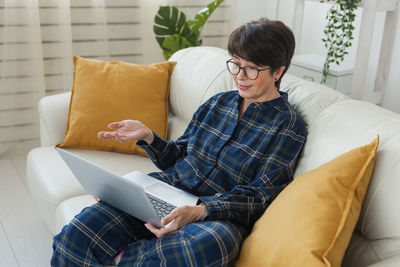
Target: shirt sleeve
[164,153]
[244,204]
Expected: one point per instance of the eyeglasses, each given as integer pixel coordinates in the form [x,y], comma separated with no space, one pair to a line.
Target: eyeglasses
[250,72]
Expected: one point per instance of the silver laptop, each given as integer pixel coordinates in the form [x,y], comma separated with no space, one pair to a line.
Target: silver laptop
[136,193]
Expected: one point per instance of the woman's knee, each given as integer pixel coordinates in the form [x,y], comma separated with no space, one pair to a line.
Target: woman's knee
[76,228]
[90,235]
[214,243]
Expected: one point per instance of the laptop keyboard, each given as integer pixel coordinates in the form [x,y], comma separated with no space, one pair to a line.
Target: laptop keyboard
[161,207]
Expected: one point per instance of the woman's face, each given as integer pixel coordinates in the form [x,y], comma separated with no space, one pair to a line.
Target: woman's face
[261,89]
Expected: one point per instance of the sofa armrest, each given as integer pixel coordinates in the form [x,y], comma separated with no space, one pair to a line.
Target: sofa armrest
[389,262]
[53,112]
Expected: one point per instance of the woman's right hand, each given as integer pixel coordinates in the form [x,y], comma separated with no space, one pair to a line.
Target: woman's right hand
[128,130]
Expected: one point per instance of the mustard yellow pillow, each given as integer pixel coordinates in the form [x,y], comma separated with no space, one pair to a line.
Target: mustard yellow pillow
[105,92]
[311,221]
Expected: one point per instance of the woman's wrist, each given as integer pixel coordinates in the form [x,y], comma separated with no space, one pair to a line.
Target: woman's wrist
[149,138]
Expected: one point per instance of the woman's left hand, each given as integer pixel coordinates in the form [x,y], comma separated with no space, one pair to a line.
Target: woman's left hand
[178,218]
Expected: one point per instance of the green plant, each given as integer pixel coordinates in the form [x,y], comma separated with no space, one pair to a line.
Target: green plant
[338,32]
[173,32]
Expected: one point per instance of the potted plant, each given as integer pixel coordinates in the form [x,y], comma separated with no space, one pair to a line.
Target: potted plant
[173,32]
[338,32]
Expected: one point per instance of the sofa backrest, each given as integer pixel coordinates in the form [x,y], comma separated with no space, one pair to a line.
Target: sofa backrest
[336,124]
[199,74]
[342,127]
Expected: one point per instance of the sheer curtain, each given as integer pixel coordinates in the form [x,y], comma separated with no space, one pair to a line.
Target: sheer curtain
[21,72]
[36,60]
[97,14]
[151,50]
[38,39]
[63,37]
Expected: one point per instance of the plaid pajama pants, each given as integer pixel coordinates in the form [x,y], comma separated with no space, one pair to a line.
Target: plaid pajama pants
[100,232]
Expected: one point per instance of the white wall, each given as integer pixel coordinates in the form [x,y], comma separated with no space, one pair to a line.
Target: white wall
[312,32]
[245,11]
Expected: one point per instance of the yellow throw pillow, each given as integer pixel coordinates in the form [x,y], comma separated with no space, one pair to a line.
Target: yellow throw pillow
[105,92]
[311,221]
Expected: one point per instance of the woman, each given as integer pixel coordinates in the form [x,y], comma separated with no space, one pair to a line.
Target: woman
[238,152]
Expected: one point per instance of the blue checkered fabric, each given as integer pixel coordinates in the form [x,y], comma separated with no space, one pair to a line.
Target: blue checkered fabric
[236,167]
[100,232]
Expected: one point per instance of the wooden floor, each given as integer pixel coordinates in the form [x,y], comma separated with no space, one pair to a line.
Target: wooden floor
[24,239]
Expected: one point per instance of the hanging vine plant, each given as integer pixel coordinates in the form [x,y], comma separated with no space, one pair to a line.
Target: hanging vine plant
[338,32]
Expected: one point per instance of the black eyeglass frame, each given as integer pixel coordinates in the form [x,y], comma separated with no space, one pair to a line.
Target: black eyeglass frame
[244,69]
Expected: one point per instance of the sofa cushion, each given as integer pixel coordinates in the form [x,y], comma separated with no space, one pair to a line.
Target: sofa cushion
[309,98]
[343,126]
[105,92]
[311,221]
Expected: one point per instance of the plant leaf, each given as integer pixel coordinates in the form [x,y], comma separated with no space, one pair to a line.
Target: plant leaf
[171,44]
[338,31]
[169,21]
[202,16]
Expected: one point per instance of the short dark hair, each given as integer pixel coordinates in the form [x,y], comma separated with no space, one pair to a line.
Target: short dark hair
[264,42]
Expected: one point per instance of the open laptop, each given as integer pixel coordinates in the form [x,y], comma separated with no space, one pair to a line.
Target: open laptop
[136,193]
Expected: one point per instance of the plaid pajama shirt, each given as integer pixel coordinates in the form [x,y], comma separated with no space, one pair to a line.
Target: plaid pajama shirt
[236,167]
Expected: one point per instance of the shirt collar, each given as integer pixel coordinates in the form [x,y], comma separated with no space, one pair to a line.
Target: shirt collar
[277,101]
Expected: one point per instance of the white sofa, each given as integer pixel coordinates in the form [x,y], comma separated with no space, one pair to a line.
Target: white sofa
[336,124]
